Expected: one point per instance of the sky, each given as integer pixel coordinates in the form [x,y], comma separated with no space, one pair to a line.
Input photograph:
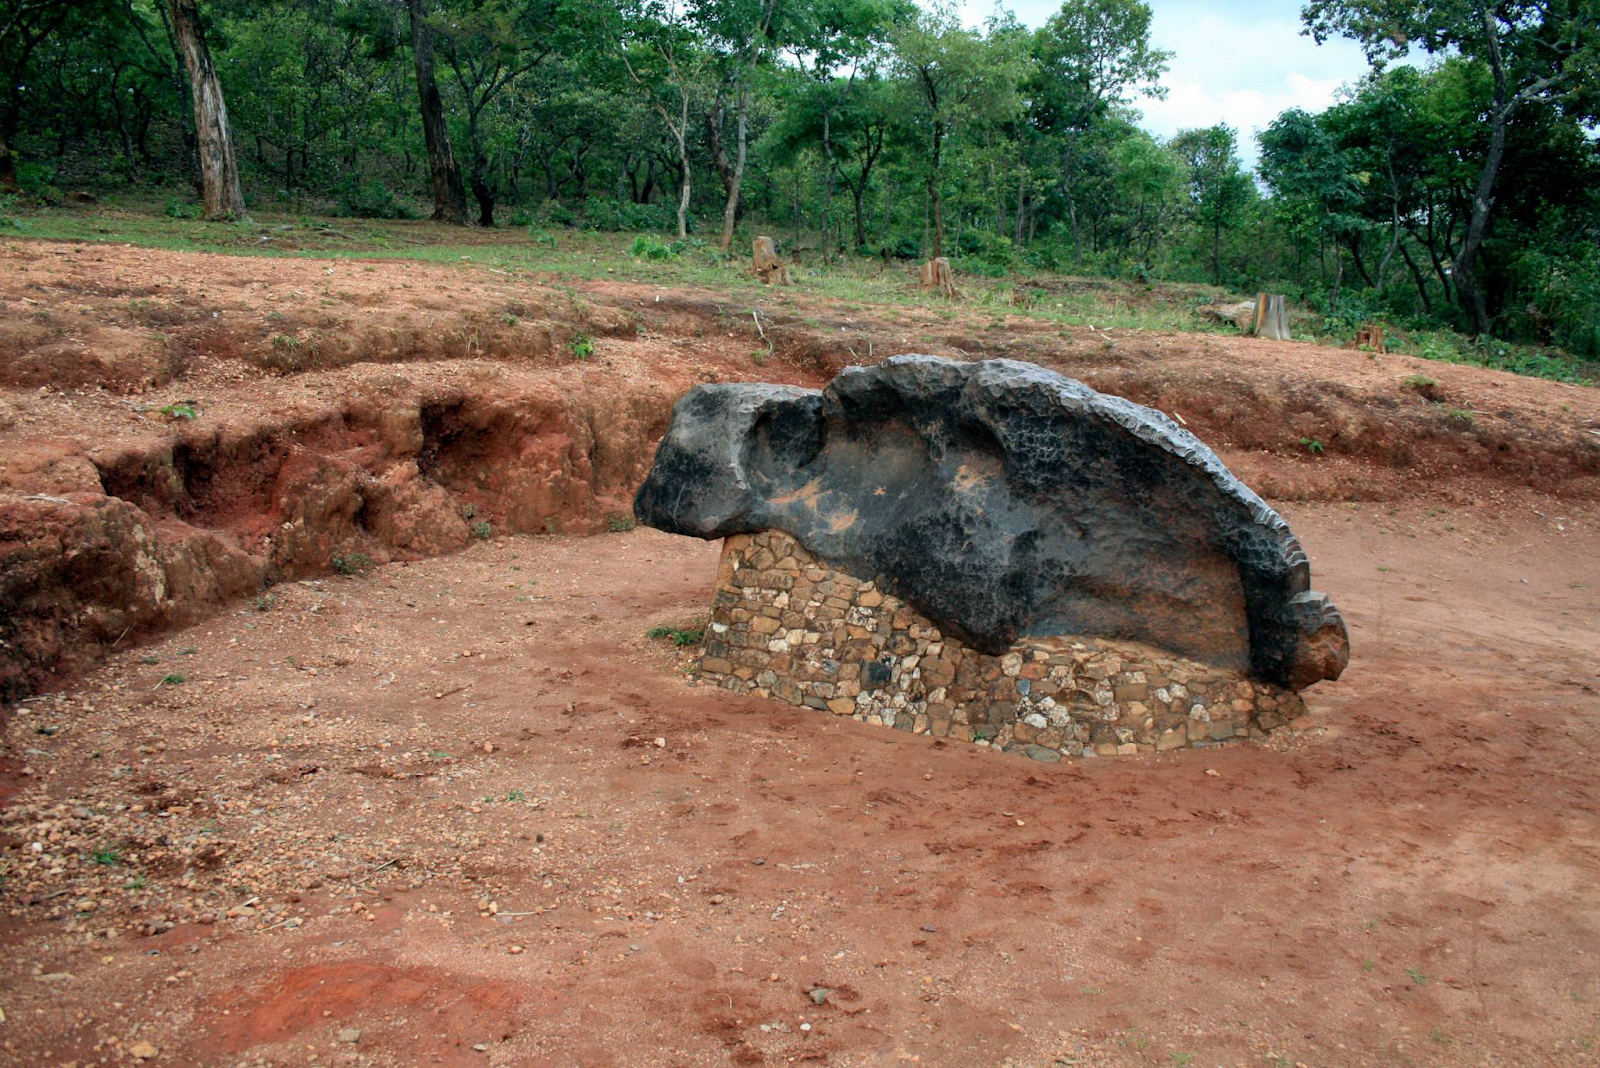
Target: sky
[1235,61]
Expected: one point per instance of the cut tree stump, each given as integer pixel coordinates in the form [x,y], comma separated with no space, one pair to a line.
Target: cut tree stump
[936,274]
[1370,338]
[1272,317]
[769,268]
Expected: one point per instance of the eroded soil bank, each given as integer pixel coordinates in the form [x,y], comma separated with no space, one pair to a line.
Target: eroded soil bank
[456,801]
[180,429]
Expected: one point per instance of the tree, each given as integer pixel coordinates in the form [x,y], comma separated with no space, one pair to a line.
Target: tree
[1315,183]
[24,25]
[219,171]
[1535,50]
[666,61]
[449,194]
[739,33]
[1090,58]
[490,44]
[848,114]
[1218,190]
[955,79]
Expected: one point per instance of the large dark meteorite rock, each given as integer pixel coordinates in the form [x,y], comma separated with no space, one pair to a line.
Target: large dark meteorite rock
[1004,501]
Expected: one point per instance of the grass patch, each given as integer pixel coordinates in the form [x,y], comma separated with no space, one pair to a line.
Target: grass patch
[863,282]
[679,636]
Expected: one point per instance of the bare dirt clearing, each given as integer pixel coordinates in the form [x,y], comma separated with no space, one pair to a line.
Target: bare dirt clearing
[430,805]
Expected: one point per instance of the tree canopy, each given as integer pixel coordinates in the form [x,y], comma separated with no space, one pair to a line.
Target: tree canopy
[1459,188]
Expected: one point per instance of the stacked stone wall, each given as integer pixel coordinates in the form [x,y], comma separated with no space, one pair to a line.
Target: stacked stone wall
[785,625]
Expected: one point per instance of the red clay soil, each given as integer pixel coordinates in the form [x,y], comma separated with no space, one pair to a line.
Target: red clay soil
[460,809]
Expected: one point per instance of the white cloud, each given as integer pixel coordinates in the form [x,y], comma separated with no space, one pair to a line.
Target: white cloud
[1241,62]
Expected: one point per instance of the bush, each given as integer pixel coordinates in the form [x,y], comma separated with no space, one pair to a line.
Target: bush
[177,209]
[369,199]
[601,213]
[558,214]
[649,247]
[352,563]
[540,236]
[980,247]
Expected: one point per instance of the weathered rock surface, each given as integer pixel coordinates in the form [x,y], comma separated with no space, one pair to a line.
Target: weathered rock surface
[1004,502]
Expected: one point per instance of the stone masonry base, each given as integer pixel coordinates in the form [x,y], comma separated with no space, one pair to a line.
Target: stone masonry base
[785,625]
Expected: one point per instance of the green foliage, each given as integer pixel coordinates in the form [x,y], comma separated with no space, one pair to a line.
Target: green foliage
[351,564]
[620,523]
[109,856]
[482,530]
[601,213]
[1019,146]
[173,679]
[180,410]
[680,636]
[582,346]
[369,198]
[649,247]
[1312,445]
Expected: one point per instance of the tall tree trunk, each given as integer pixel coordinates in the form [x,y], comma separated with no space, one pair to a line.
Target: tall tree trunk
[684,189]
[219,173]
[832,168]
[1421,280]
[861,222]
[730,209]
[449,194]
[935,199]
[8,163]
[1469,290]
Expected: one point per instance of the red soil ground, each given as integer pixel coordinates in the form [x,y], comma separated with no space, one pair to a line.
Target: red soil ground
[463,805]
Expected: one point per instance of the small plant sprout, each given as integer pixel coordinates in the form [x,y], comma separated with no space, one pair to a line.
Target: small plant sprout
[482,530]
[620,523]
[180,410]
[1312,445]
[352,563]
[583,346]
[173,679]
[680,636]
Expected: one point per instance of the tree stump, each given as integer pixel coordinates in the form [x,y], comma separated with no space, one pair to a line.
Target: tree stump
[1370,338]
[769,268]
[936,274]
[1272,317]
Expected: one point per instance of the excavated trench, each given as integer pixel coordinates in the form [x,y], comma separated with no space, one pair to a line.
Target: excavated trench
[144,538]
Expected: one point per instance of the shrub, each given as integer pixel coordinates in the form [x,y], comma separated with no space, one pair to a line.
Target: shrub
[620,523]
[558,214]
[601,213]
[650,247]
[583,346]
[540,236]
[352,563]
[482,530]
[369,199]
[177,209]
[681,636]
